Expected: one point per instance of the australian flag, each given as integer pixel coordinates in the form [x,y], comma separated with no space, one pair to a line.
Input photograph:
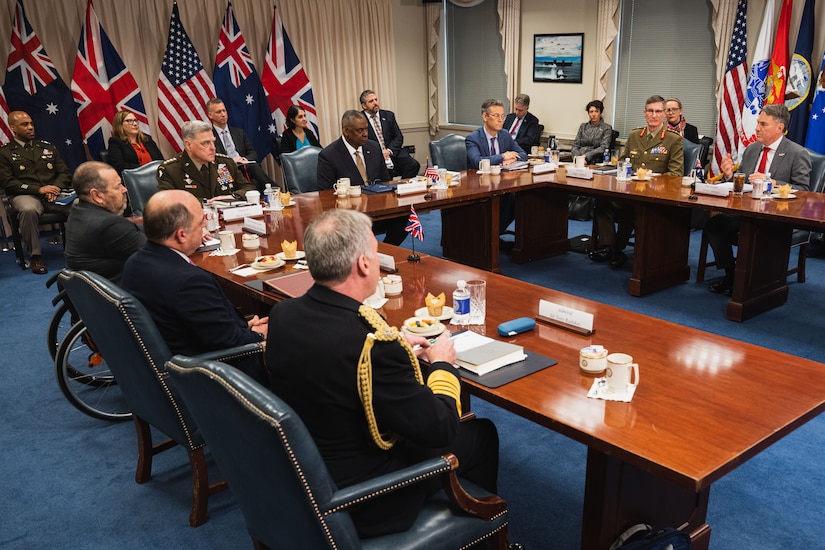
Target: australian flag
[102,86]
[33,85]
[238,85]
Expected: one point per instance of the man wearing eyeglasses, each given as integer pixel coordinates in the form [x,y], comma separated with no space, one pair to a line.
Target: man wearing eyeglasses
[653,147]
[492,142]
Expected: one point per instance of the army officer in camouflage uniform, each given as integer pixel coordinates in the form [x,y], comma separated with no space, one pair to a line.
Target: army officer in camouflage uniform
[33,175]
[659,150]
[200,170]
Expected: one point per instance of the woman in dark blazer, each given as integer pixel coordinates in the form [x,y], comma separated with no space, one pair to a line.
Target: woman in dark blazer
[297,134]
[128,146]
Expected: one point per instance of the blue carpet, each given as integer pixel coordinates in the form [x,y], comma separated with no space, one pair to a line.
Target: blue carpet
[67,481]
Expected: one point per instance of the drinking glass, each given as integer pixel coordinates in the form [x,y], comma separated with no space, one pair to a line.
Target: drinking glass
[478,301]
[738,183]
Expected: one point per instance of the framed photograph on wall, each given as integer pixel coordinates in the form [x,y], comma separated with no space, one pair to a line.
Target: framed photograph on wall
[558,57]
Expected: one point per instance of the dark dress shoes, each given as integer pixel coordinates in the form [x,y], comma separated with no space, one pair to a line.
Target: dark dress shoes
[600,256]
[618,259]
[722,287]
[38,266]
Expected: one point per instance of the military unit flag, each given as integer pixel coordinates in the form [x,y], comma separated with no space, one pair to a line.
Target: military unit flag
[183,85]
[815,139]
[780,58]
[102,86]
[755,95]
[798,88]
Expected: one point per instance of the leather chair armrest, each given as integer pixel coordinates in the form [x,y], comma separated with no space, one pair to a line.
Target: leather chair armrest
[230,354]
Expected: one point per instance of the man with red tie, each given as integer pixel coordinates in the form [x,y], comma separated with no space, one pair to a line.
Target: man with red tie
[523,125]
[771,155]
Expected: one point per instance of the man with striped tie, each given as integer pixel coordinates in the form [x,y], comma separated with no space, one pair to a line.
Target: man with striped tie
[384,129]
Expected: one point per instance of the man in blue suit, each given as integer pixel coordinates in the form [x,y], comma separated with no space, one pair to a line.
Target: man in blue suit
[492,142]
[186,302]
[522,124]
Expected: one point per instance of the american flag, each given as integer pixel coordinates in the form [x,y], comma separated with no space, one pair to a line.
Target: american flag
[816,126]
[431,173]
[757,79]
[284,78]
[414,225]
[779,60]
[33,85]
[102,86]
[238,85]
[5,131]
[733,91]
[183,85]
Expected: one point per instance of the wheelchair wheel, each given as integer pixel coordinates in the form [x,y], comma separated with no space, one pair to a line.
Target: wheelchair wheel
[85,378]
[58,328]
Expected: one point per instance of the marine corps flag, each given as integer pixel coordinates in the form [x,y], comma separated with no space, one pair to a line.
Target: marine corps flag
[778,72]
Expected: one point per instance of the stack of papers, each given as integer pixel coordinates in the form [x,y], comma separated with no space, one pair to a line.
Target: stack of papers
[518,165]
[481,354]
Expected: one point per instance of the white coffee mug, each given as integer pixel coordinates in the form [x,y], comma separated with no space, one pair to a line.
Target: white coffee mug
[579,160]
[495,169]
[618,372]
[484,166]
[534,150]
[355,191]
[227,239]
[253,197]
[341,187]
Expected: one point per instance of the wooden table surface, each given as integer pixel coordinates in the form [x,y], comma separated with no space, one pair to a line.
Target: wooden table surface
[705,403]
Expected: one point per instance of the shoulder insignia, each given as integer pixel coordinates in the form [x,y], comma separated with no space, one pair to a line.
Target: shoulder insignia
[171,161]
[222,156]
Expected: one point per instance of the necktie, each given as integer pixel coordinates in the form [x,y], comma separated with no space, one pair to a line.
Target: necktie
[763,162]
[493,148]
[359,163]
[228,144]
[378,131]
[515,127]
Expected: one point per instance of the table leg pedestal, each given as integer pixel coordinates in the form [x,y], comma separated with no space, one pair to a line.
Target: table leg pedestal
[541,225]
[469,234]
[618,495]
[660,255]
[761,268]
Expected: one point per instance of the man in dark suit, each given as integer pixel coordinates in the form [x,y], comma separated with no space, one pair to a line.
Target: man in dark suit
[492,142]
[33,175]
[98,237]
[357,383]
[523,125]
[355,157]
[384,130]
[187,304]
[771,155]
[234,143]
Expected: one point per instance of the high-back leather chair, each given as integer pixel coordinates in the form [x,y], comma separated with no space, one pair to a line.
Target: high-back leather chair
[449,152]
[707,142]
[141,183]
[693,152]
[301,169]
[134,349]
[282,485]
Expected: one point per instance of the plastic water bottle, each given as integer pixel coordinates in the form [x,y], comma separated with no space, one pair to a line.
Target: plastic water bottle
[268,195]
[461,303]
[628,168]
[768,185]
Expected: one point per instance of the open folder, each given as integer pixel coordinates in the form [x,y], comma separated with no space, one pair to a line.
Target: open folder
[291,285]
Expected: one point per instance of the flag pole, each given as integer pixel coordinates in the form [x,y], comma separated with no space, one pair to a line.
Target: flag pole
[413,257]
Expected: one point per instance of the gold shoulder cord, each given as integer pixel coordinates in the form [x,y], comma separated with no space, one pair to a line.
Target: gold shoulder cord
[383,333]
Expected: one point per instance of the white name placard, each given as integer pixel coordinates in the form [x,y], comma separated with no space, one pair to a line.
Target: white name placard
[254,226]
[240,212]
[580,173]
[412,187]
[544,168]
[566,316]
[387,262]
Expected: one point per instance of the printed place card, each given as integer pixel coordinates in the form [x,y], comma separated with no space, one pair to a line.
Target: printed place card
[240,212]
[387,262]
[566,317]
[412,187]
[254,226]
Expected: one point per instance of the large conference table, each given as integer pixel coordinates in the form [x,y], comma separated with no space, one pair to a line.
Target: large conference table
[705,403]
[663,210]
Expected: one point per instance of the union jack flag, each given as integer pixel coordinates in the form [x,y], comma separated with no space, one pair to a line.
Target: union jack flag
[33,85]
[414,225]
[102,86]
[284,78]
[5,131]
[183,85]
[238,85]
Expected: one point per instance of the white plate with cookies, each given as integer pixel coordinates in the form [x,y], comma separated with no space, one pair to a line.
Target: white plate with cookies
[446,313]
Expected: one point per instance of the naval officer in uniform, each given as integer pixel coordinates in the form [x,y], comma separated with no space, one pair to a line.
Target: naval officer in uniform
[199,170]
[654,147]
[33,175]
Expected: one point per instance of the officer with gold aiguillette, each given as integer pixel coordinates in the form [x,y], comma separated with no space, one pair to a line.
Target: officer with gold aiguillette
[33,175]
[199,170]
